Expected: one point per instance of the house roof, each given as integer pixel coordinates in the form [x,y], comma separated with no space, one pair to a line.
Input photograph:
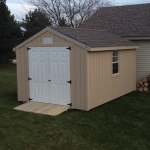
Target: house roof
[129,20]
[94,38]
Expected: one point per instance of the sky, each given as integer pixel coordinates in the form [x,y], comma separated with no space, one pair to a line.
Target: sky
[19,7]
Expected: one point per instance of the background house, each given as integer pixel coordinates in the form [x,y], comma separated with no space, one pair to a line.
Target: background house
[131,22]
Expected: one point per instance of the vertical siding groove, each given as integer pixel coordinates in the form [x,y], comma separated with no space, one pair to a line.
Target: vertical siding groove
[98,78]
[26,75]
[82,70]
[73,77]
[92,96]
[88,80]
[23,73]
[78,88]
[19,81]
[85,81]
[97,61]
[121,71]
[101,61]
[101,87]
[94,80]
[107,67]
[130,70]
[91,80]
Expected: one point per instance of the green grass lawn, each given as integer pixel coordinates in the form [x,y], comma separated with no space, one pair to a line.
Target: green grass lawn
[123,124]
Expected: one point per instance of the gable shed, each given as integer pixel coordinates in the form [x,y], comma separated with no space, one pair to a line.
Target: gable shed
[82,68]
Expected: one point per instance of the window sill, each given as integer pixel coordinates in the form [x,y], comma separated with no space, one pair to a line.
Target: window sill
[115,75]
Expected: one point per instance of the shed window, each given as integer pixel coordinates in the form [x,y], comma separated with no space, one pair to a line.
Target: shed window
[115,62]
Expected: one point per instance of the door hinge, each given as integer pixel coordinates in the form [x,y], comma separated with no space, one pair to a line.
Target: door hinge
[29,78]
[28,48]
[69,81]
[70,104]
[69,48]
[30,99]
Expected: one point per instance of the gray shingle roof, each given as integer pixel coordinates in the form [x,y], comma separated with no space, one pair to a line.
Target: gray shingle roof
[94,38]
[130,20]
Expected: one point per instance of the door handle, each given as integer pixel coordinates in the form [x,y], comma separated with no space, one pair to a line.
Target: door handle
[49,80]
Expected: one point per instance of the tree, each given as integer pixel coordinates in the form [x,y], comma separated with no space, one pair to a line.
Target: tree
[63,23]
[34,22]
[74,11]
[10,33]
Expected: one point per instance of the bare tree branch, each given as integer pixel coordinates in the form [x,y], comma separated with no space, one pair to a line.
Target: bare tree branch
[75,12]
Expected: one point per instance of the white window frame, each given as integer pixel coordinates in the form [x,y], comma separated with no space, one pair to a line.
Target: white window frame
[115,60]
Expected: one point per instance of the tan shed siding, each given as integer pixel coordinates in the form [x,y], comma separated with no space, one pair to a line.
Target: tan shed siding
[19,82]
[102,86]
[80,77]
[143,59]
[22,75]
[78,70]
[26,73]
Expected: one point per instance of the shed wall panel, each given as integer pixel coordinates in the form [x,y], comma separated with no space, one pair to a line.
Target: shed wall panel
[143,59]
[22,74]
[19,82]
[78,69]
[102,85]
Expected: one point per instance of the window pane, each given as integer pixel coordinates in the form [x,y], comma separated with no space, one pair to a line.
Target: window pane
[115,70]
[115,65]
[115,53]
[115,62]
[116,59]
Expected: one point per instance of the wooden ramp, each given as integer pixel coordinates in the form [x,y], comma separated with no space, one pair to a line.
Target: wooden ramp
[42,108]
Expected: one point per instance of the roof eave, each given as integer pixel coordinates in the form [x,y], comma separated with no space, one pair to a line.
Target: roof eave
[137,37]
[95,49]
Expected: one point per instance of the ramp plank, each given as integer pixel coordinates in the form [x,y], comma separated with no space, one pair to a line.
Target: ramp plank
[42,108]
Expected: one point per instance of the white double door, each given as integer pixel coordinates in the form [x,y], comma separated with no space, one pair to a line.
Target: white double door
[49,73]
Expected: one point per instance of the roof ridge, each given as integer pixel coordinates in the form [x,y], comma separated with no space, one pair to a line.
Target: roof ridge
[91,29]
[124,5]
[77,28]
